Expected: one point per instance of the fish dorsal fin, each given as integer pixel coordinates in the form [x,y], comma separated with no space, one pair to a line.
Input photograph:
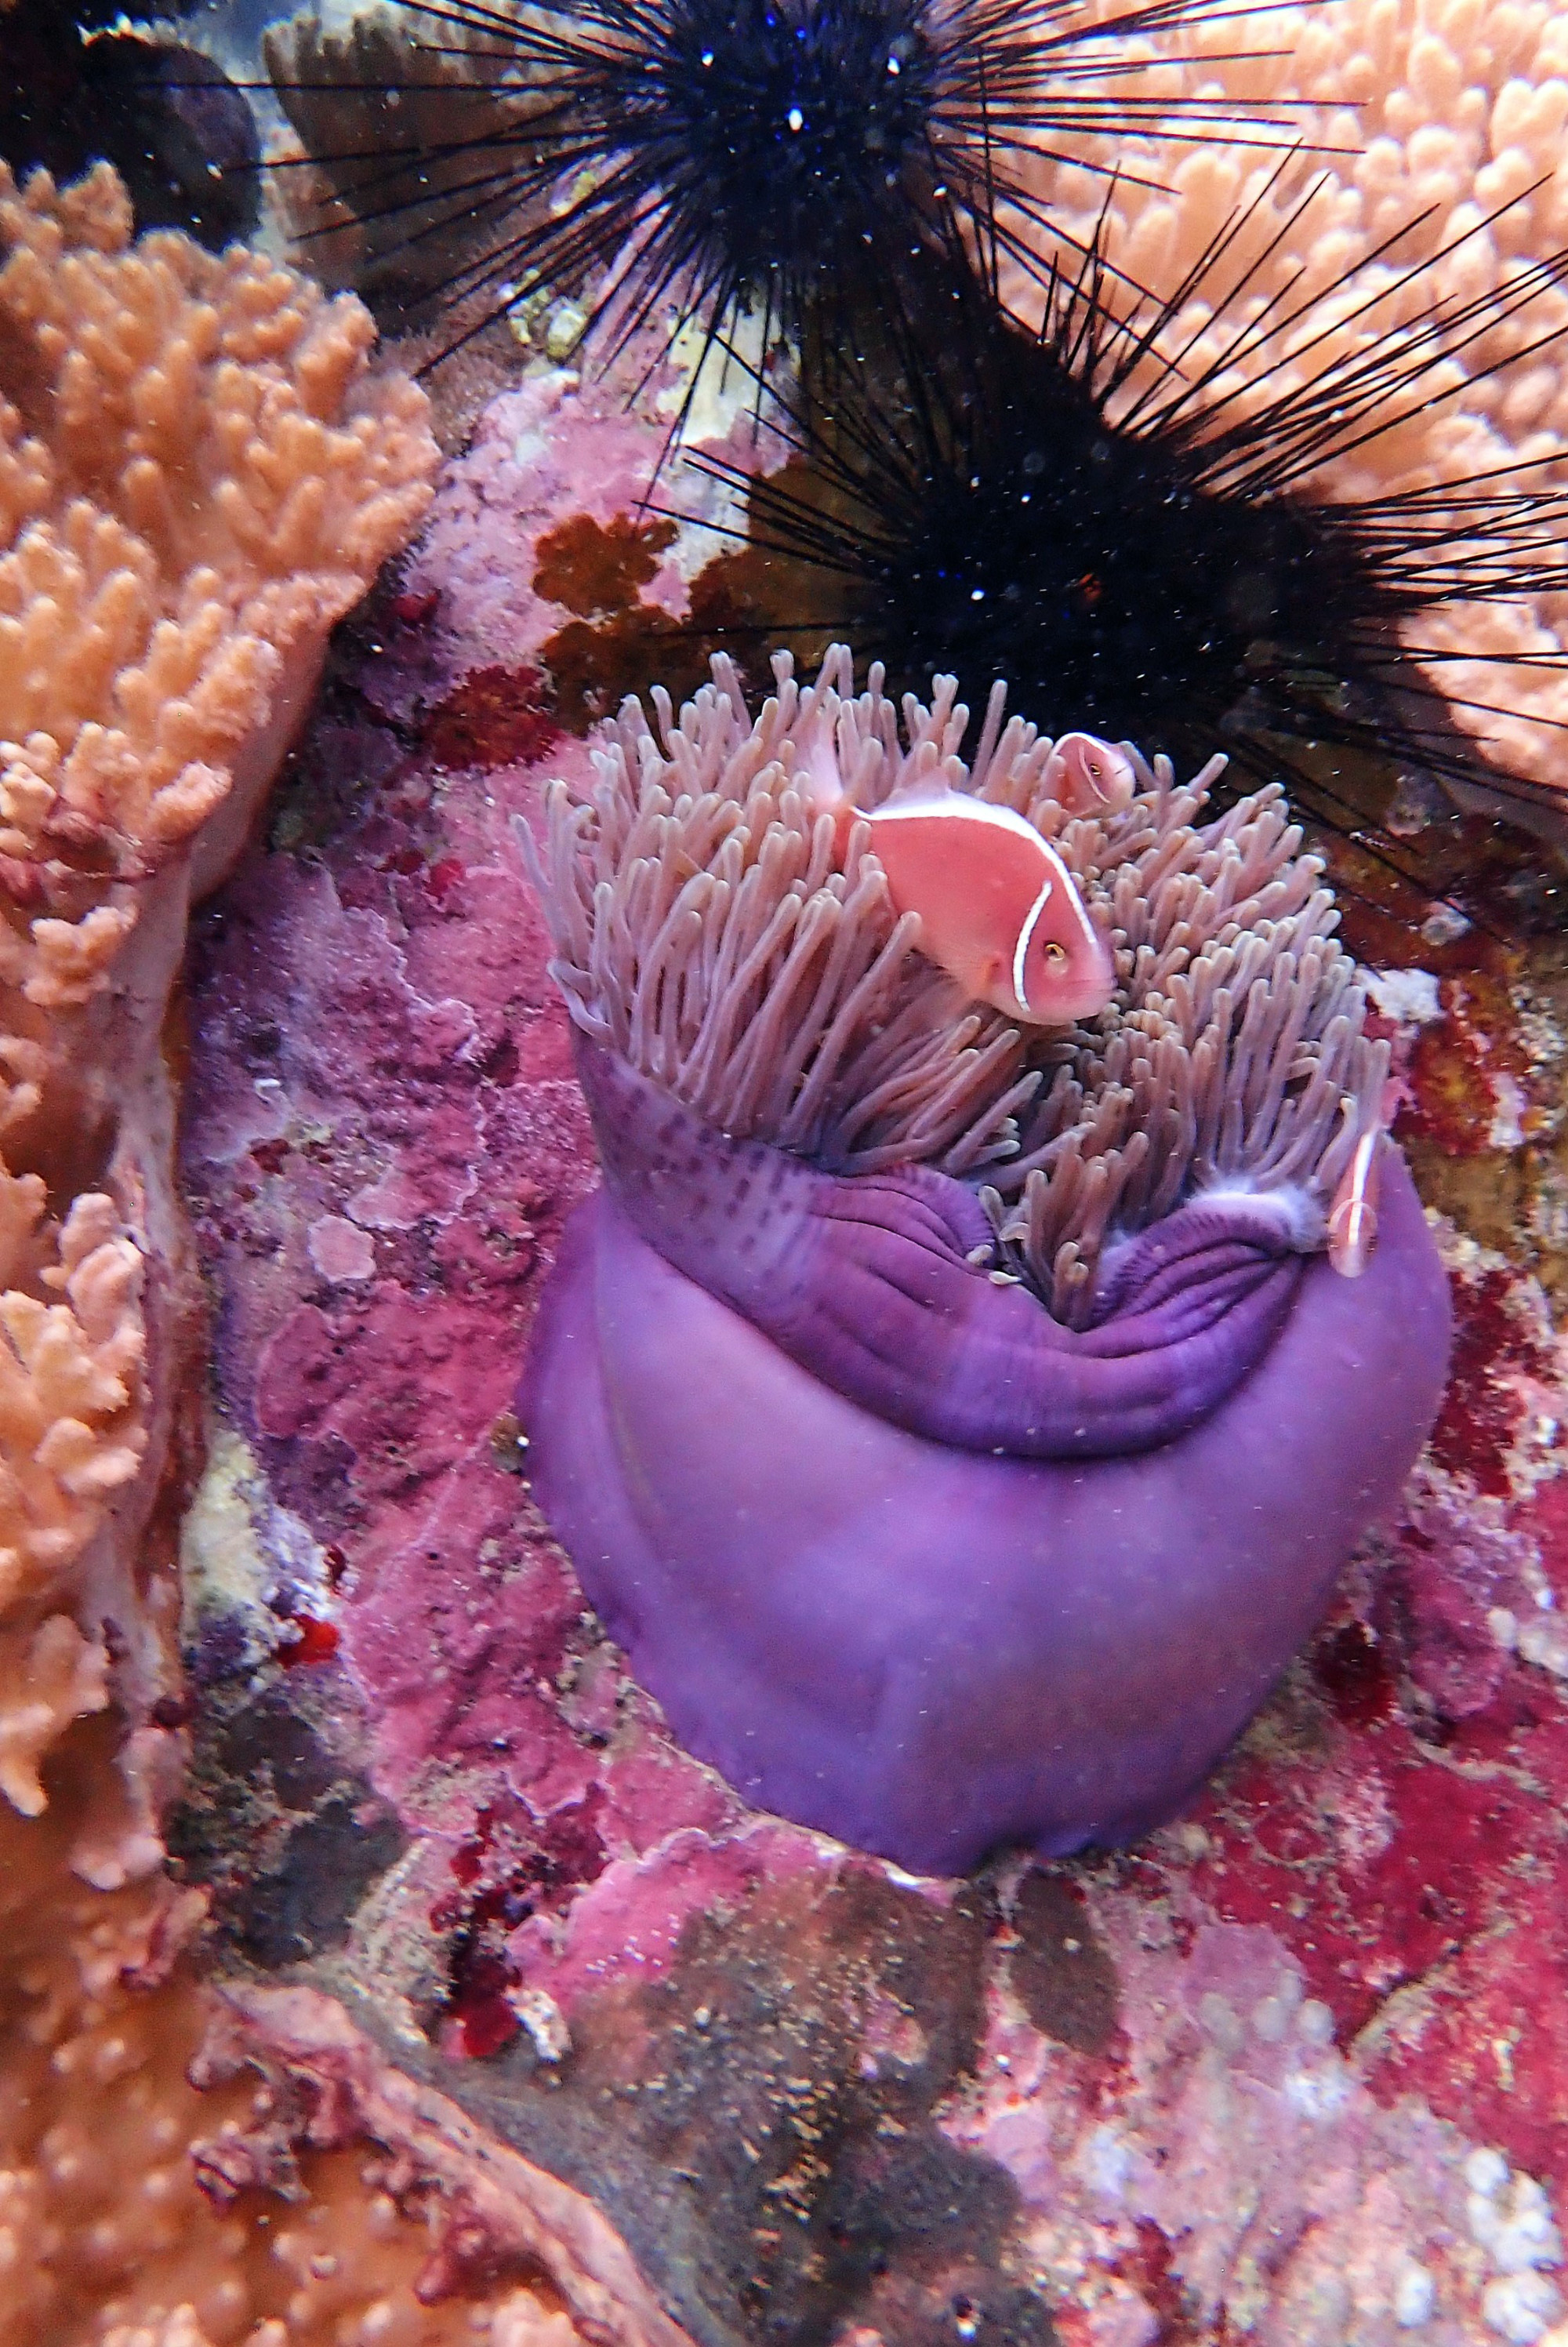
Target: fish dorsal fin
[922,777]
[920,789]
[819,765]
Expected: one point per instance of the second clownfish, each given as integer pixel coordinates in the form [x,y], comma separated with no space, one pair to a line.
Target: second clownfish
[998,909]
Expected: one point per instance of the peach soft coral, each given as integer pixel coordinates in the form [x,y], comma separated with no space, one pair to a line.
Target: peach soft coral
[1433,132]
[199,474]
[117,2226]
[71,1432]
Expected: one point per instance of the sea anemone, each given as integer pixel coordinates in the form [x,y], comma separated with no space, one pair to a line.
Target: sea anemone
[1165,516]
[961,1427]
[755,157]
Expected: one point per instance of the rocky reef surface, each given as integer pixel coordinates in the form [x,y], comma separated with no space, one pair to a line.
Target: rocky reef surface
[1296,2070]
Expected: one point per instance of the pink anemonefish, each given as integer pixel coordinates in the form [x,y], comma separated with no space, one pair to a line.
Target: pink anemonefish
[1085,773]
[998,908]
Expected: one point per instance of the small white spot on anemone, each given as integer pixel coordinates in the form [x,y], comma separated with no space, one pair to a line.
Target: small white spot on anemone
[1291,1210]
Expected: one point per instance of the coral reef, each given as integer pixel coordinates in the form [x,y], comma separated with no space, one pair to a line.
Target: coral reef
[1292,2069]
[1430,141]
[199,476]
[73,1426]
[1232,2081]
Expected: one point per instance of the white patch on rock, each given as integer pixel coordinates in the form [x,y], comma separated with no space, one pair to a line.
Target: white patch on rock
[544,2022]
[340,1250]
[1407,996]
[1415,2296]
[1520,2308]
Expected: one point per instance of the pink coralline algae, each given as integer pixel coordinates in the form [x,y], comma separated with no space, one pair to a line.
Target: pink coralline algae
[1294,2069]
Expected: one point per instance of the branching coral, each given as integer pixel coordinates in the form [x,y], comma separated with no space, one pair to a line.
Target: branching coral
[706,930]
[70,1372]
[199,476]
[48,1678]
[1432,112]
[1433,136]
[110,2231]
[180,2329]
[196,480]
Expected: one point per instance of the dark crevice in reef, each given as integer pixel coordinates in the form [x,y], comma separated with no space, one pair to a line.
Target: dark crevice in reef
[76,85]
[760,2125]
[276,1820]
[1062,1972]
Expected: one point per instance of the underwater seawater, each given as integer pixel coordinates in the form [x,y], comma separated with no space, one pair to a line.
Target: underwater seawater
[783,1520]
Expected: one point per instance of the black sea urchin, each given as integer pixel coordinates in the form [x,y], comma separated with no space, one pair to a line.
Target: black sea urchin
[1144,546]
[751,155]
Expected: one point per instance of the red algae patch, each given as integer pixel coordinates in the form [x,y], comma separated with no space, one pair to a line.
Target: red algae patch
[1498,1357]
[594,569]
[495,717]
[1471,1078]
